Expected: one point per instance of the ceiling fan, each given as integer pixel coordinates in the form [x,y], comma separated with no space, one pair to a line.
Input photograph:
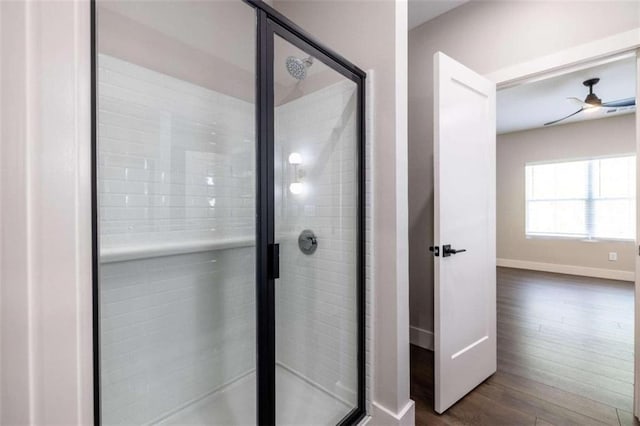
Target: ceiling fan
[593,103]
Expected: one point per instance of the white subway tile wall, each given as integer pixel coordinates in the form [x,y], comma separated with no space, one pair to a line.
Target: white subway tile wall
[316,306]
[176,165]
[174,329]
[176,160]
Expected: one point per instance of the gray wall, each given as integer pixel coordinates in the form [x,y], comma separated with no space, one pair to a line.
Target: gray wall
[485,36]
[196,50]
[615,135]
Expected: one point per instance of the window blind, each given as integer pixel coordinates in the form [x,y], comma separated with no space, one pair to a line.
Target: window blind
[591,199]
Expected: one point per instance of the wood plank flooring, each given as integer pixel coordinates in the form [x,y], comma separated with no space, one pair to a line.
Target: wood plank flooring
[565,356]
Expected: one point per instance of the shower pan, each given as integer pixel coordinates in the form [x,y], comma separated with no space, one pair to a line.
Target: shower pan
[228,206]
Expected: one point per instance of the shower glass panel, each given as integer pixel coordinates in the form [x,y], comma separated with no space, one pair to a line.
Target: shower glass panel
[316,225]
[176,149]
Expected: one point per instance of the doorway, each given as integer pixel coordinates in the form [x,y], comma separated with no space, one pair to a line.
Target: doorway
[517,287]
[566,234]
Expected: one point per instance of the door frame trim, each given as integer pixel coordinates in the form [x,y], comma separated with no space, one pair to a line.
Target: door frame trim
[95,245]
[265,226]
[566,60]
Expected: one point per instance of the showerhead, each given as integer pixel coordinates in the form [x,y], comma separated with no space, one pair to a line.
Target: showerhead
[298,67]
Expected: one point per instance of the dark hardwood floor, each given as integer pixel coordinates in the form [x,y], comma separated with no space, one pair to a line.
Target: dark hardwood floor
[565,356]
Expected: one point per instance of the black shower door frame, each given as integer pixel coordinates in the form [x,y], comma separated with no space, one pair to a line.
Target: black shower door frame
[269,24]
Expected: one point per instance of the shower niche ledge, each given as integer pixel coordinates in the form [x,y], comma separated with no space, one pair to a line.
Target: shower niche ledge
[171,248]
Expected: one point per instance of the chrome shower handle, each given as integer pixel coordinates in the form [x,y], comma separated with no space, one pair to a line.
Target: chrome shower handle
[307,242]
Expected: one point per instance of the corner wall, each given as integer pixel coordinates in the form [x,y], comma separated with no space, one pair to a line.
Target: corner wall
[485,36]
[595,138]
[45,269]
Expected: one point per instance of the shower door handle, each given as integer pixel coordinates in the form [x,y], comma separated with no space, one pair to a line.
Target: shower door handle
[274,261]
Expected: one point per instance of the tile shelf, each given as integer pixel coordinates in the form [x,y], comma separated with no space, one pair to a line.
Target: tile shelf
[172,248]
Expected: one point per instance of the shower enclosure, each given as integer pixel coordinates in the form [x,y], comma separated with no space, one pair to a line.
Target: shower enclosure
[228,150]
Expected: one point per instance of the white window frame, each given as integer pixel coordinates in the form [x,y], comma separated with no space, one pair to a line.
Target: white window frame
[589,202]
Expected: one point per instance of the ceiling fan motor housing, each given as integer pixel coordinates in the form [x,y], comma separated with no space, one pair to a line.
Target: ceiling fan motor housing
[591,98]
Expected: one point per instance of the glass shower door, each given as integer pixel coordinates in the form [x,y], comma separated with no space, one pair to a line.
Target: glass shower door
[316,192]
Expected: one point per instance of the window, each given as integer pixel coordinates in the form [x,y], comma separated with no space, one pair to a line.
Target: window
[592,199]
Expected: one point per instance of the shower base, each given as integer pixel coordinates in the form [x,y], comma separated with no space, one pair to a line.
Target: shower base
[298,402]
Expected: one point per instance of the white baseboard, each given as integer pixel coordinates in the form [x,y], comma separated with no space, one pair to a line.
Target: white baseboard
[384,417]
[584,271]
[421,337]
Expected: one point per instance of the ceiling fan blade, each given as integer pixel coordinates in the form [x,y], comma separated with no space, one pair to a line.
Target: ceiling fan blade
[578,102]
[620,103]
[563,118]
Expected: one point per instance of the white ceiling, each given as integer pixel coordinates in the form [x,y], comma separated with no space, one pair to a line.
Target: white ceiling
[421,11]
[529,106]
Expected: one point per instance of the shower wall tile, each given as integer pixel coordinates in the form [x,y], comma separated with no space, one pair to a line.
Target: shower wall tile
[176,161]
[316,312]
[174,329]
[176,164]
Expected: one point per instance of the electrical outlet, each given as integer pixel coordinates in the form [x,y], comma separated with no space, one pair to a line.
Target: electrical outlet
[613,256]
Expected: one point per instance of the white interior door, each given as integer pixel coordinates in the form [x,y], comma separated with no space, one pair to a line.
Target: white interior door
[464,219]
